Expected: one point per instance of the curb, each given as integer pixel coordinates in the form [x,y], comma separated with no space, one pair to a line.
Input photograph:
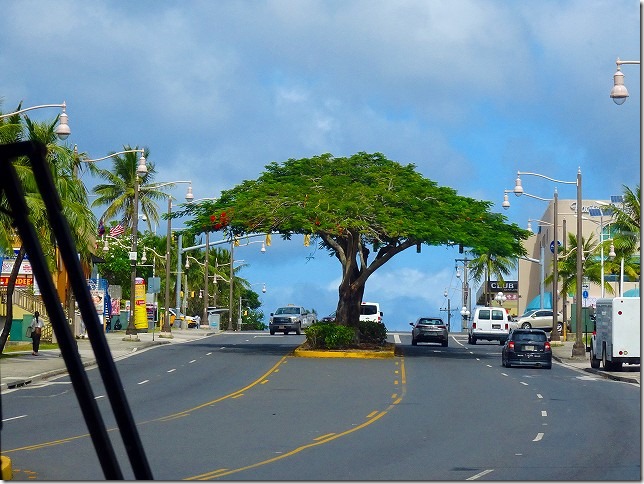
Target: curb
[364,354]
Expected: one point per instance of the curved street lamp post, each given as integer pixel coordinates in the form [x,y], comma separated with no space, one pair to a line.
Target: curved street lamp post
[578,349]
[62,130]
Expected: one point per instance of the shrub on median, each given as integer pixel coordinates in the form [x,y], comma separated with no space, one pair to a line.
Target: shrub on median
[329,335]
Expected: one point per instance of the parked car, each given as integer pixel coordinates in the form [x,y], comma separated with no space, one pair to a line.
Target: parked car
[429,330]
[527,347]
[190,320]
[538,319]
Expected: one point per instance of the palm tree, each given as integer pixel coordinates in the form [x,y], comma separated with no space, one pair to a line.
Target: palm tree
[70,188]
[484,266]
[628,233]
[627,220]
[118,192]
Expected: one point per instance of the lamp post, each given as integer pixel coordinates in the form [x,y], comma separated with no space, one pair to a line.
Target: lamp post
[141,170]
[465,310]
[578,349]
[619,93]
[168,244]
[62,130]
[232,275]
[239,317]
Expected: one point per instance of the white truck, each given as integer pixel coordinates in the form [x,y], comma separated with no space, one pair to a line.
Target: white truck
[616,337]
[291,318]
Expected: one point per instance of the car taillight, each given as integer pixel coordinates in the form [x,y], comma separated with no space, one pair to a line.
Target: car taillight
[548,346]
[507,326]
[473,325]
[511,345]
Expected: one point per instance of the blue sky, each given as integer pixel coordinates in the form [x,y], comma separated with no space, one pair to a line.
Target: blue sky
[468,91]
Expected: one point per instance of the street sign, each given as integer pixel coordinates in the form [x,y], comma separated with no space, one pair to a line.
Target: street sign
[585,294]
[552,246]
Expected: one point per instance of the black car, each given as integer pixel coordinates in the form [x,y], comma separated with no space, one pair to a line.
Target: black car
[430,330]
[328,319]
[527,347]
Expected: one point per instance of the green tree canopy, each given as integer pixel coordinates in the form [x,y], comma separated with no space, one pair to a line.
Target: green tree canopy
[356,206]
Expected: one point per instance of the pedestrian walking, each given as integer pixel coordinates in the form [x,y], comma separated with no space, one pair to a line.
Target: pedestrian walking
[36,332]
[198,321]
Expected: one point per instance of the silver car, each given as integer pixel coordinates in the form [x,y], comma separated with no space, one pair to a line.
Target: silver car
[538,319]
[429,330]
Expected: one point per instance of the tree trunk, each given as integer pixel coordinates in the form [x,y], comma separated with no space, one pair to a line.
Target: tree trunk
[4,336]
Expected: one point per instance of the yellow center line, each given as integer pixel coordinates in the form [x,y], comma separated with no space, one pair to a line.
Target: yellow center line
[183,413]
[371,418]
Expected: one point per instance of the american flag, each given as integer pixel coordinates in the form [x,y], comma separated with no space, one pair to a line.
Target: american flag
[117,230]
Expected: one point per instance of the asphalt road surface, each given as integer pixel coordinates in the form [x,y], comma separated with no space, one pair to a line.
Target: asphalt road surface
[239,407]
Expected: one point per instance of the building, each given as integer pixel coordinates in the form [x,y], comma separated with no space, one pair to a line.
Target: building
[540,251]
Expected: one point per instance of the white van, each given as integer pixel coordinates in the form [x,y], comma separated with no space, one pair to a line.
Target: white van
[370,311]
[491,324]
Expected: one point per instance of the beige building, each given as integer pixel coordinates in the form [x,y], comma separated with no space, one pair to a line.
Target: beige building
[538,246]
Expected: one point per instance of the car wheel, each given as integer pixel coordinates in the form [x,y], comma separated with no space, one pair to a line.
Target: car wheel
[473,340]
[298,330]
[445,344]
[469,339]
[594,362]
[272,331]
[414,342]
[501,342]
[548,367]
[286,332]
[526,326]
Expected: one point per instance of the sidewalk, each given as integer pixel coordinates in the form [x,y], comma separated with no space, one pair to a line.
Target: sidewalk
[22,368]
[563,353]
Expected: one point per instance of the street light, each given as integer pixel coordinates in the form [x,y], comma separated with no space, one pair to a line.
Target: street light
[62,130]
[233,242]
[578,349]
[465,311]
[239,317]
[619,93]
[166,301]
[141,170]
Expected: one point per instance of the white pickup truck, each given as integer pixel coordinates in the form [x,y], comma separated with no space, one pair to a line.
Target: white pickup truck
[291,318]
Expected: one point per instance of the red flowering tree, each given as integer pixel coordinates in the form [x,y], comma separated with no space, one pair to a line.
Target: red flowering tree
[364,209]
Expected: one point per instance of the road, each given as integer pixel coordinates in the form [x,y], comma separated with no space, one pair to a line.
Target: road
[238,407]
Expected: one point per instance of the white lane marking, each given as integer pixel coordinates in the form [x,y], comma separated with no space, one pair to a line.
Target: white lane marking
[142,382]
[209,353]
[489,366]
[523,383]
[170,371]
[397,338]
[504,374]
[544,413]
[191,361]
[480,474]
[99,397]
[539,395]
[13,418]
[538,437]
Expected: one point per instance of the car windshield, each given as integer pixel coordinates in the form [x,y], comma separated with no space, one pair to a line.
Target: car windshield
[289,310]
[367,309]
[540,337]
[432,321]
